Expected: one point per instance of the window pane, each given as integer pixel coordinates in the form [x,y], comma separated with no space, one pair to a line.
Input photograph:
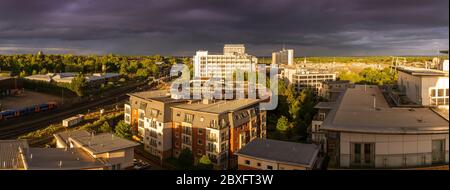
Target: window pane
[357,153]
[440,92]
[368,153]
[433,92]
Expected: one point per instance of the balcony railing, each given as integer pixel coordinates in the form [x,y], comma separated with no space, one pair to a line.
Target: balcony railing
[211,138]
[154,135]
[318,117]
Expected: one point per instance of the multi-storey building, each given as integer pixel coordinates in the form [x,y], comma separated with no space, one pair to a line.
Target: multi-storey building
[285,56]
[426,87]
[332,89]
[217,129]
[222,66]
[363,131]
[149,115]
[301,77]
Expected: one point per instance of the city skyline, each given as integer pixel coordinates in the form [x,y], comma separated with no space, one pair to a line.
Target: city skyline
[179,28]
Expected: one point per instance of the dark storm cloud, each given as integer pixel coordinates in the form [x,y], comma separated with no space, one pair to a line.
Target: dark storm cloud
[179,27]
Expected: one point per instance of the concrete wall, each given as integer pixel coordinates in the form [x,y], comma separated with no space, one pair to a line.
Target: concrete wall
[390,150]
[421,95]
[264,163]
[408,83]
[432,82]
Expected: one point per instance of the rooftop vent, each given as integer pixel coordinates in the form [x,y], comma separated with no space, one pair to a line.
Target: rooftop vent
[420,120]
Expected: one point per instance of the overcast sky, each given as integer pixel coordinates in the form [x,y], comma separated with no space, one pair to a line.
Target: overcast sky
[180,27]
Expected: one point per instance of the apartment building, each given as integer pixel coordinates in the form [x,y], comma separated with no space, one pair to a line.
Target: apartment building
[268,154]
[332,89]
[149,115]
[217,128]
[285,56]
[303,78]
[318,136]
[363,131]
[224,65]
[426,87]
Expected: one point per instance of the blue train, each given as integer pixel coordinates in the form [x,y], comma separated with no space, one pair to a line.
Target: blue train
[8,114]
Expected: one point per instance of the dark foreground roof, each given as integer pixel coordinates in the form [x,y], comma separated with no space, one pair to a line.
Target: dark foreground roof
[281,151]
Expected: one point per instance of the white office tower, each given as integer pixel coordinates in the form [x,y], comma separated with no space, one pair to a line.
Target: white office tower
[221,66]
[285,56]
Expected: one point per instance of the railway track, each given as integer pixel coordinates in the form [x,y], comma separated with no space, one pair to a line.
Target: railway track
[20,128]
[16,127]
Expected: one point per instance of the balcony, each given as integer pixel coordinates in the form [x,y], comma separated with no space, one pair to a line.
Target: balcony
[211,138]
[318,117]
[187,132]
[154,135]
[212,150]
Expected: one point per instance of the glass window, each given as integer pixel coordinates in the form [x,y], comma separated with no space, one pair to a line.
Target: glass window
[357,153]
[247,162]
[368,153]
[270,167]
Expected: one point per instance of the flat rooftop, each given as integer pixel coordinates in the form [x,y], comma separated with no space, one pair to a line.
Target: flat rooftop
[336,82]
[422,71]
[4,78]
[156,95]
[325,105]
[9,153]
[59,159]
[63,137]
[281,151]
[218,106]
[104,142]
[355,112]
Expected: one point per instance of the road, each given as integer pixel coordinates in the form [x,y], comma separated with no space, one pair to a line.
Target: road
[153,165]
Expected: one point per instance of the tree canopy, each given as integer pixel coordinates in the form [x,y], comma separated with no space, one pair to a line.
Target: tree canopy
[123,130]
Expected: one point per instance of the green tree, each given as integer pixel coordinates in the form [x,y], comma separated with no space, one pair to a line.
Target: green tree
[123,130]
[350,76]
[205,163]
[186,159]
[105,128]
[78,85]
[22,74]
[142,73]
[43,71]
[282,124]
